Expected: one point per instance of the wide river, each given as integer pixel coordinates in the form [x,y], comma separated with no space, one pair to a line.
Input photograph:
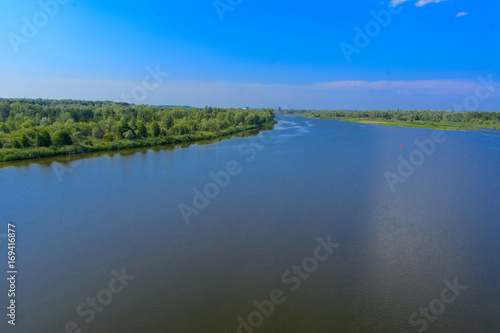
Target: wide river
[314,226]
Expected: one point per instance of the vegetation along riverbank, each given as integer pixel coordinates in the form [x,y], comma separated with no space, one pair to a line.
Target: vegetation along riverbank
[416,118]
[36,128]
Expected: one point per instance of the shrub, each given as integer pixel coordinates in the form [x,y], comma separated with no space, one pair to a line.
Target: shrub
[141,130]
[97,133]
[15,144]
[155,129]
[108,137]
[129,135]
[43,139]
[77,136]
[25,141]
[63,139]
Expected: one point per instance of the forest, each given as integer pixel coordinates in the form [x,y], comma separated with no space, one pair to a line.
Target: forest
[34,128]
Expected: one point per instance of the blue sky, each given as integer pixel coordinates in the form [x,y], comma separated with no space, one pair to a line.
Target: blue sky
[258,53]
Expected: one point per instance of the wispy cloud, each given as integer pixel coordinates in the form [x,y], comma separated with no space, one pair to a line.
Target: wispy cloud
[394,3]
[435,87]
[419,3]
[384,94]
[462,14]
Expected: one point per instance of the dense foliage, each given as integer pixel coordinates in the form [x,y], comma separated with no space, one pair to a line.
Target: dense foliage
[35,127]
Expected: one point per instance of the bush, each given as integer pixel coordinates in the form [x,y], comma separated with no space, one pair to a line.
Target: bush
[16,144]
[141,130]
[25,141]
[155,129]
[122,129]
[179,129]
[129,135]
[77,136]
[63,139]
[43,139]
[108,137]
[97,133]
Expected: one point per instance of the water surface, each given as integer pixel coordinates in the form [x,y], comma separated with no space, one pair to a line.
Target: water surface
[79,219]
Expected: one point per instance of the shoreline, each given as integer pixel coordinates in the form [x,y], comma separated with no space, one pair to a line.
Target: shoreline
[415,124]
[36,153]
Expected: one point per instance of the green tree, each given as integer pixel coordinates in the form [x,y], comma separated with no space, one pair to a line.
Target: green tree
[168,121]
[155,129]
[122,128]
[44,121]
[180,129]
[97,133]
[63,138]
[25,141]
[141,130]
[129,135]
[16,144]
[43,139]
[77,136]
[108,137]
[4,128]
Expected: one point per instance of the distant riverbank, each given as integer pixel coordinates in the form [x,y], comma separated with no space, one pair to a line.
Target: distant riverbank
[447,120]
[417,124]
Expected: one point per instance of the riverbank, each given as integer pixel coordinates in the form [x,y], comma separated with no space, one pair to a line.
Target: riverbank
[16,154]
[415,124]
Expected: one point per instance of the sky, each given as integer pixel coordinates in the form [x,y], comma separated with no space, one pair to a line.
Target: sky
[314,54]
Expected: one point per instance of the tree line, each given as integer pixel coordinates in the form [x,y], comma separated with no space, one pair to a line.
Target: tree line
[32,123]
[475,118]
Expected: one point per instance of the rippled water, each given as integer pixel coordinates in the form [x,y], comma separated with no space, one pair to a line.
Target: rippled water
[253,234]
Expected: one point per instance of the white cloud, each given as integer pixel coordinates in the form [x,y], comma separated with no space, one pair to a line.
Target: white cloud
[394,3]
[462,14]
[421,3]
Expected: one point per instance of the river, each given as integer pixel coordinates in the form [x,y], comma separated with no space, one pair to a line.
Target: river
[314,226]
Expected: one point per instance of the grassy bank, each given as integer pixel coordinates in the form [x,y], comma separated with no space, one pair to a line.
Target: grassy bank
[40,152]
[416,124]
[412,123]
